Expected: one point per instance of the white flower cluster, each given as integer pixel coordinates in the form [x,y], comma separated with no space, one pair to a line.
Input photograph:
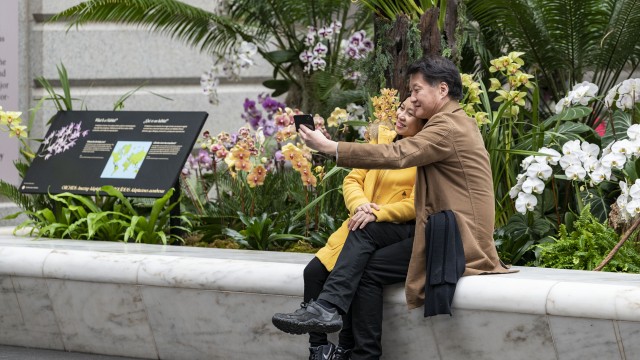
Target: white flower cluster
[229,65]
[624,95]
[580,162]
[581,94]
[629,199]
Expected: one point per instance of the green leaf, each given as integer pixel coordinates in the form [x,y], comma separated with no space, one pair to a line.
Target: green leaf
[616,129]
[281,56]
[279,86]
[572,113]
[571,127]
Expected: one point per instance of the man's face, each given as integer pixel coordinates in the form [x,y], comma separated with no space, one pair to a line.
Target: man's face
[426,99]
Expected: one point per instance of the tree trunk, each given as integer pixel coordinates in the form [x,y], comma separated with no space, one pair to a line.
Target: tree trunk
[429,33]
[397,47]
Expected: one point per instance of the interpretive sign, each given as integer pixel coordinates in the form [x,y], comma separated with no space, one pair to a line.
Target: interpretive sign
[140,153]
[9,88]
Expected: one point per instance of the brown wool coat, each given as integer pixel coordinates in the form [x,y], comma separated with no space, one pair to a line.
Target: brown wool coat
[453,174]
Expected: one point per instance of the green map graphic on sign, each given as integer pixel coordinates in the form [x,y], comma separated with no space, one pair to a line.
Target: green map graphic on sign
[126,159]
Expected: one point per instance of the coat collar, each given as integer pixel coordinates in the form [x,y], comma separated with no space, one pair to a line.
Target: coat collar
[451,106]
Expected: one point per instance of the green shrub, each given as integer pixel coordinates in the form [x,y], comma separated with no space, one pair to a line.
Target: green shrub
[585,247]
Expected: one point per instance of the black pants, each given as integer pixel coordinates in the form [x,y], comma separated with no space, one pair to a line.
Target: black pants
[371,257]
[315,275]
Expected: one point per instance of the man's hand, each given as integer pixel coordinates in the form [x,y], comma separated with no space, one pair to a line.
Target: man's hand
[316,140]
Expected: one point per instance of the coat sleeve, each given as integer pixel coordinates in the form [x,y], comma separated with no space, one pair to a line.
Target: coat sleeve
[400,211]
[353,189]
[432,144]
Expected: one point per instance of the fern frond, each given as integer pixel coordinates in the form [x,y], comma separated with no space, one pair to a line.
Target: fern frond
[12,193]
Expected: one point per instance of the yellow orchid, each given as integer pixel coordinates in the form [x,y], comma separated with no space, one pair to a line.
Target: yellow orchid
[256,176]
[10,117]
[17,131]
[300,164]
[481,118]
[307,177]
[291,152]
[503,95]
[242,157]
[514,56]
[385,106]
[495,84]
[337,117]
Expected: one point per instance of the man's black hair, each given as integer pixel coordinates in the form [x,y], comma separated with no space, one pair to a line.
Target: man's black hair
[436,69]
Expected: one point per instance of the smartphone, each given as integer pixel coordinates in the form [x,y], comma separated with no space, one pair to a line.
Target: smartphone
[305,119]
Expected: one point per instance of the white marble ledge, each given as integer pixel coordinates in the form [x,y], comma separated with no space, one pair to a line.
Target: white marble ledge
[598,295]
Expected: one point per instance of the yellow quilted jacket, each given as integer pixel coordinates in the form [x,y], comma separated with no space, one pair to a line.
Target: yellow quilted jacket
[391,189]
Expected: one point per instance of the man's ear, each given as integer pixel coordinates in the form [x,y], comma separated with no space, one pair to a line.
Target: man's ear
[444,89]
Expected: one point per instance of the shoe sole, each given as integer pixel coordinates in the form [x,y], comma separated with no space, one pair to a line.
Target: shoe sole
[298,328]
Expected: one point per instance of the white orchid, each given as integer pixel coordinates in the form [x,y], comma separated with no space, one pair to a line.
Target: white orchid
[622,147]
[581,93]
[542,171]
[533,185]
[600,174]
[515,190]
[633,207]
[634,190]
[571,147]
[591,163]
[590,149]
[569,160]
[525,202]
[625,95]
[614,160]
[552,156]
[575,172]
[633,131]
[527,161]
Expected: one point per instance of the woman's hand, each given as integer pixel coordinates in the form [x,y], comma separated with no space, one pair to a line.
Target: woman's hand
[316,140]
[368,207]
[360,219]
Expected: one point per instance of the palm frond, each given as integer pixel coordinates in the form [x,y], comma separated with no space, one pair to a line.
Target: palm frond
[192,25]
[619,43]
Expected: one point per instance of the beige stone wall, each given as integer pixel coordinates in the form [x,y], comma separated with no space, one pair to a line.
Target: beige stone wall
[106,61]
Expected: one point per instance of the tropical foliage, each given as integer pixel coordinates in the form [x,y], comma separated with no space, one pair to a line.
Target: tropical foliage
[297,38]
[107,216]
[564,40]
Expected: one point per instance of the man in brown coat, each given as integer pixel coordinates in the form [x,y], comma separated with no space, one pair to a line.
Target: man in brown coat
[453,174]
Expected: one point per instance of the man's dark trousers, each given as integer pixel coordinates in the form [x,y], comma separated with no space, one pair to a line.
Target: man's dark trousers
[384,250]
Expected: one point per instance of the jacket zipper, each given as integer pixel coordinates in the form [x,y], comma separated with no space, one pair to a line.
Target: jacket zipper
[444,248]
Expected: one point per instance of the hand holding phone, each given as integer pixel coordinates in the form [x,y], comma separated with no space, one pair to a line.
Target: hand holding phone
[305,119]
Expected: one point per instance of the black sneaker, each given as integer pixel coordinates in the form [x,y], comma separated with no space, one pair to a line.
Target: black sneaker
[322,352]
[309,318]
[341,354]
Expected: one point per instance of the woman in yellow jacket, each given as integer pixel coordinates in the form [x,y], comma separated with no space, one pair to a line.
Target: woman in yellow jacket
[370,195]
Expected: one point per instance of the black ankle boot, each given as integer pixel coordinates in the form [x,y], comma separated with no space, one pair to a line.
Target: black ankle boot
[341,354]
[322,352]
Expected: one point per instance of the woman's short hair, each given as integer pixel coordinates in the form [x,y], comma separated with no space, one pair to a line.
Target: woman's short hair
[436,69]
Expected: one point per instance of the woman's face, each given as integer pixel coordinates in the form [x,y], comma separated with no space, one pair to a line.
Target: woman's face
[407,124]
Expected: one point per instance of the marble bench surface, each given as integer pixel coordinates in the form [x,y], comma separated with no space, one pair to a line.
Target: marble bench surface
[603,295]
[168,302]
